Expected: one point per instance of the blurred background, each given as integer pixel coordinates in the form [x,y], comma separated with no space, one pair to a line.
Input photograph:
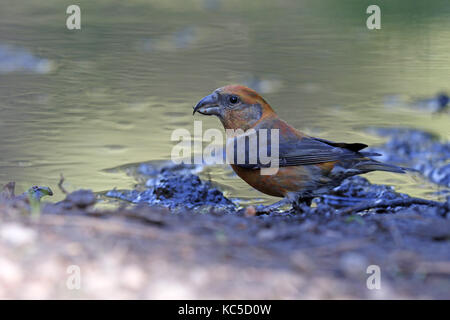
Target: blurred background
[78,102]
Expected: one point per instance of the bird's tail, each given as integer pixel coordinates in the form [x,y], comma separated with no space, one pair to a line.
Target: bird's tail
[372,165]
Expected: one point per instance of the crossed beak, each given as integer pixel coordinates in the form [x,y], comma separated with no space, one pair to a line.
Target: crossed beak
[209,105]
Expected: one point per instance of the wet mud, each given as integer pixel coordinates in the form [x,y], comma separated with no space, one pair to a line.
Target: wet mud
[177,236]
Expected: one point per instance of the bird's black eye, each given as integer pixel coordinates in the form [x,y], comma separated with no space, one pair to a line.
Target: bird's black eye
[233,99]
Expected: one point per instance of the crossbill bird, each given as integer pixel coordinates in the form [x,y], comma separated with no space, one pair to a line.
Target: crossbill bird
[308,166]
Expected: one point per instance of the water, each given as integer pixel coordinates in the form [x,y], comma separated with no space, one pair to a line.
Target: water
[118,87]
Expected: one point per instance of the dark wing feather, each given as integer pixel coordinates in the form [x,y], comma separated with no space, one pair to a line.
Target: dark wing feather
[350,146]
[308,151]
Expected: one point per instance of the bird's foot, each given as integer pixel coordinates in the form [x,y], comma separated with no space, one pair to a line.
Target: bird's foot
[302,205]
[274,207]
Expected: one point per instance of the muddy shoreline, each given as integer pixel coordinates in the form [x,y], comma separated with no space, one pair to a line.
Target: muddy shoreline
[177,236]
[143,252]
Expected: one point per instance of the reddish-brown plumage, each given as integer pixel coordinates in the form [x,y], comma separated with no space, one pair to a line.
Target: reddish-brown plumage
[287,179]
[239,119]
[313,166]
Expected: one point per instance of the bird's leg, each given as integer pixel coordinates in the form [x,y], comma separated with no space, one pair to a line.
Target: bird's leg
[272,207]
[278,204]
[302,204]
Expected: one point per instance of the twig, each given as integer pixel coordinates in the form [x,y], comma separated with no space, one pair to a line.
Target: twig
[8,190]
[437,267]
[132,215]
[395,232]
[60,185]
[341,246]
[389,203]
[85,223]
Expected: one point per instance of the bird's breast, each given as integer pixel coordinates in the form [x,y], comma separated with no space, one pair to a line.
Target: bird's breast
[287,179]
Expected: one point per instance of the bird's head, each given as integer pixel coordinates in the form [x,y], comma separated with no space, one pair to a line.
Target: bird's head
[237,107]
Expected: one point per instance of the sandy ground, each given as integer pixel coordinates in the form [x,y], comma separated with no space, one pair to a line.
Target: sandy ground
[72,250]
